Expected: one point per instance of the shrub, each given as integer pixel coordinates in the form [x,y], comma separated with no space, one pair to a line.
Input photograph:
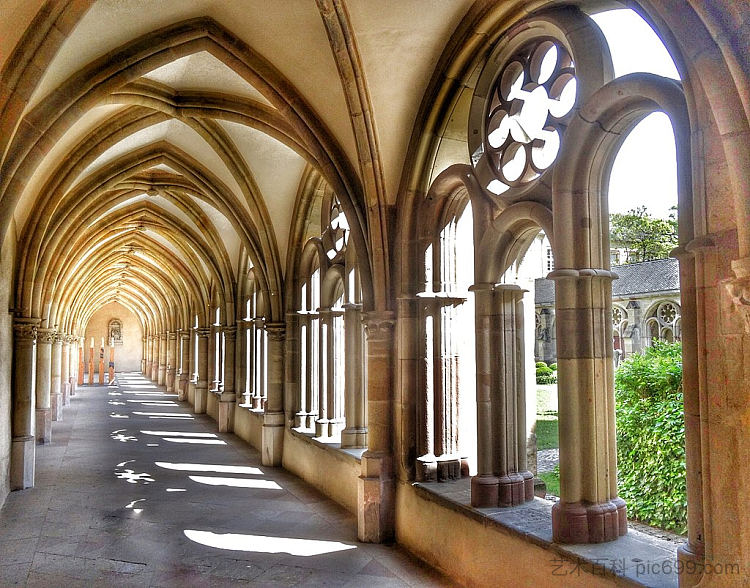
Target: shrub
[651,436]
[544,375]
[553,367]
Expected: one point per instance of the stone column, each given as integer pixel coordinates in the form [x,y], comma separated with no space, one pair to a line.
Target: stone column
[355,433]
[260,363]
[227,395]
[692,288]
[171,361]
[376,492]
[153,360]
[201,384]
[192,367]
[56,401]
[44,385]
[324,372]
[515,482]
[161,376]
[22,451]
[144,354]
[211,354]
[81,361]
[484,486]
[589,510]
[65,371]
[184,365]
[273,416]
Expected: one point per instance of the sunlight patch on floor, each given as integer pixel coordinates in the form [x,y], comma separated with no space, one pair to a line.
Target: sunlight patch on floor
[264,544]
[236,482]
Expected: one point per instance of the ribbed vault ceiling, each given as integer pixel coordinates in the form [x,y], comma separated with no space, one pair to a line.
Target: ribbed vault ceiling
[164,147]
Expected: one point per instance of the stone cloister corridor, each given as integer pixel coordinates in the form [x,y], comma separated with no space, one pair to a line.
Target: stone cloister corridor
[135,490]
[305,225]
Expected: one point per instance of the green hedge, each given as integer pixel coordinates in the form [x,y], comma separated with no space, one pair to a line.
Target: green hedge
[544,374]
[651,436]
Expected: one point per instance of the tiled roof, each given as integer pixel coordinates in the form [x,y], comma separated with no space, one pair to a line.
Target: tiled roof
[660,275]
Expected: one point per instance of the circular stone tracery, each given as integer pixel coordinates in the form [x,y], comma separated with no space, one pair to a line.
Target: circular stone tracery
[529,104]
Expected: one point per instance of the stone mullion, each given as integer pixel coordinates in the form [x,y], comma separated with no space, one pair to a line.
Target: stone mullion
[355,433]
[212,377]
[324,373]
[520,393]
[201,384]
[162,373]
[589,510]
[303,372]
[44,385]
[292,390]
[438,378]
[170,360]
[259,364]
[425,442]
[184,364]
[56,402]
[65,370]
[24,401]
[338,363]
[313,367]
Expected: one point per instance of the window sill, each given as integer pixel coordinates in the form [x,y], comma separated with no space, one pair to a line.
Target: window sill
[332,444]
[637,557]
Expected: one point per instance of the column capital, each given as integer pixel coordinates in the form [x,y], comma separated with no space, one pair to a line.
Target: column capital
[171,335]
[60,338]
[379,325]
[586,272]
[230,331]
[183,334]
[46,335]
[203,332]
[26,328]
[276,331]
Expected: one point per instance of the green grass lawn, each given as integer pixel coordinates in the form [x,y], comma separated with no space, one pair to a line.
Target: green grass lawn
[546,431]
[552,480]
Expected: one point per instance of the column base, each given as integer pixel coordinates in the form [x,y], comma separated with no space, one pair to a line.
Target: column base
[515,489]
[354,437]
[226,413]
[376,498]
[693,560]
[448,468]
[426,469]
[201,400]
[44,426]
[272,438]
[321,428]
[484,491]
[22,453]
[576,522]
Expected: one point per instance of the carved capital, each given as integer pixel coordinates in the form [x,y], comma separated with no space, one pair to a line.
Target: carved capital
[203,332]
[230,332]
[171,335]
[26,328]
[46,336]
[379,325]
[276,331]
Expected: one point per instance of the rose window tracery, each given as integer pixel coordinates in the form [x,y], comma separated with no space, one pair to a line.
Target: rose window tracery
[667,313]
[528,107]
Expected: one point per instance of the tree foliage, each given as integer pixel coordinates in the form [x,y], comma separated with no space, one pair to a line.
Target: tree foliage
[651,436]
[643,236]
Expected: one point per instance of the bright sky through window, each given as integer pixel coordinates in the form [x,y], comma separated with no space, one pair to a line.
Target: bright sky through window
[645,170]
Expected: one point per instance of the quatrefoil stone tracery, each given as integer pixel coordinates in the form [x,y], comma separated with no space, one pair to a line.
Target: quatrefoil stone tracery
[528,107]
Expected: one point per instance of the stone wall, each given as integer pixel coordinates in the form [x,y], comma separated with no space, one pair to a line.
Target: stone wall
[128,355]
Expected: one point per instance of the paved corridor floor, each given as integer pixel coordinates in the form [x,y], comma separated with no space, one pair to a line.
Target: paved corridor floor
[135,490]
